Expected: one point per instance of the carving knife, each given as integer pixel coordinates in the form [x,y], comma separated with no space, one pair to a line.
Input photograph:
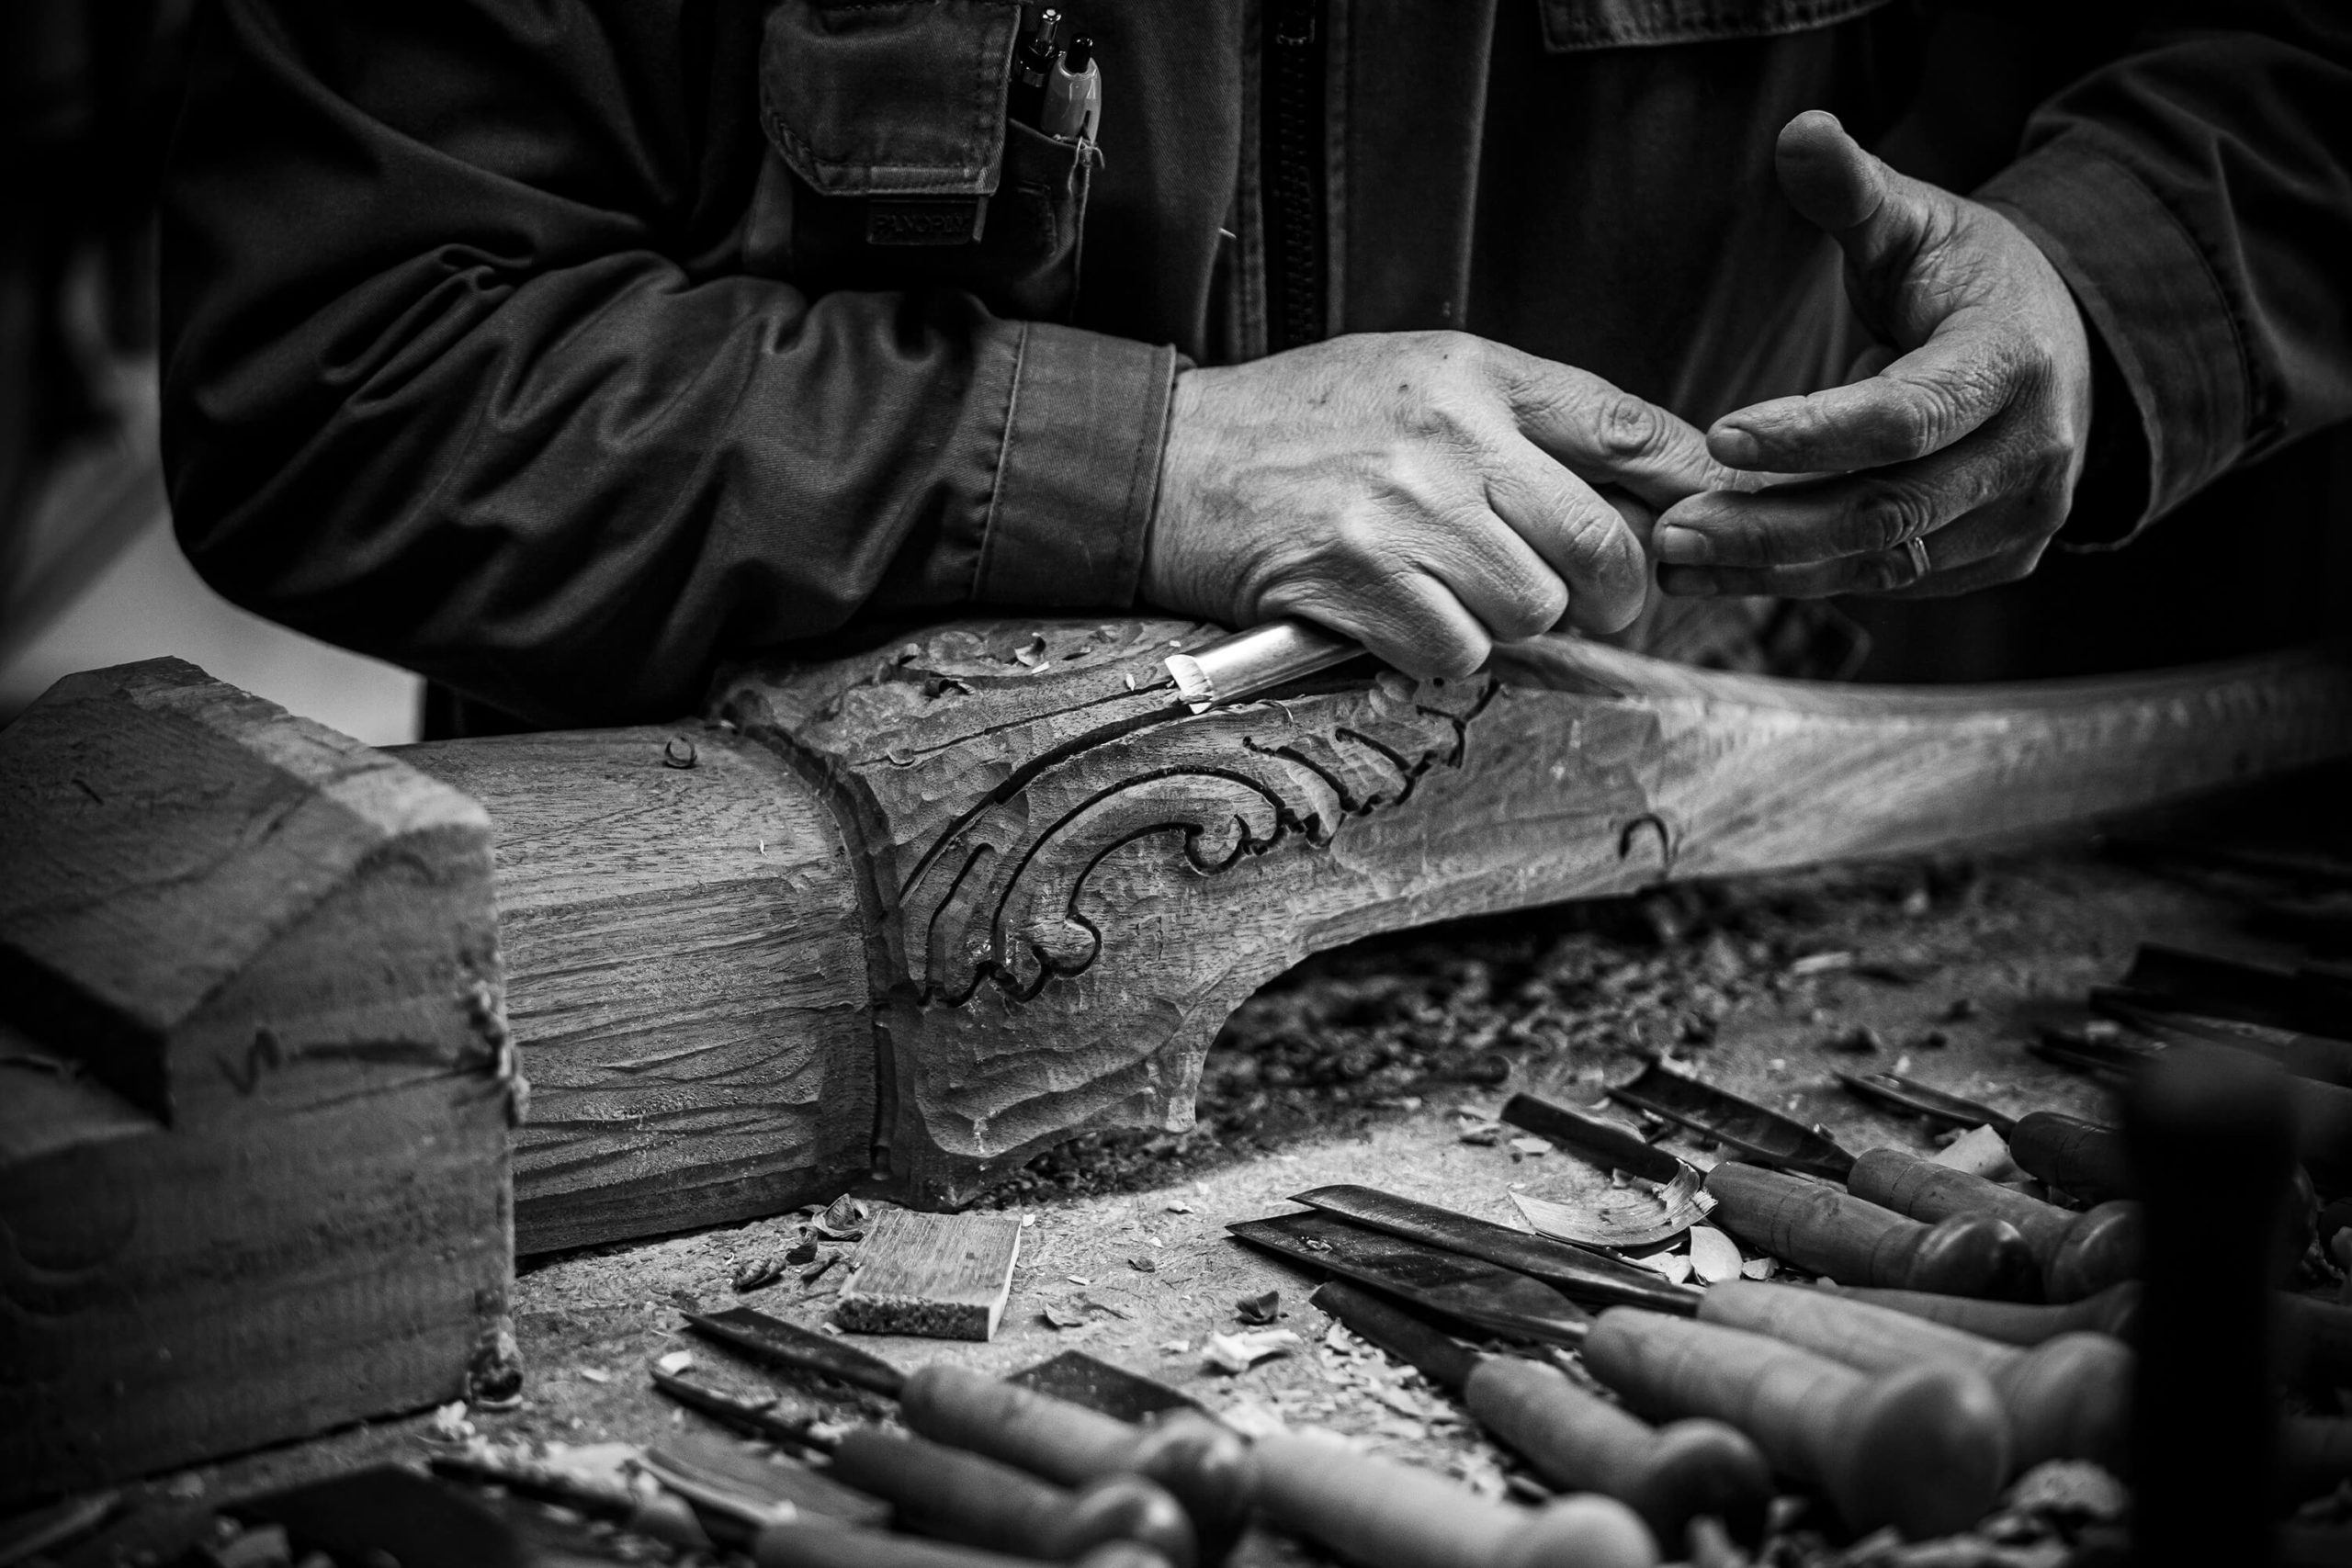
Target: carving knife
[1576,1440]
[1239,667]
[1203,1464]
[1451,1284]
[1587,1276]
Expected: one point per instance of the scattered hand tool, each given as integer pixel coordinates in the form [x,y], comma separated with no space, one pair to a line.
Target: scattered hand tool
[2078,1253]
[2110,1312]
[1574,1438]
[1859,1243]
[2302,999]
[1764,1136]
[1918,1099]
[771,1420]
[658,1516]
[1587,1276]
[2066,1398]
[802,1543]
[1385,1515]
[1451,1284]
[2313,1056]
[963,1497]
[1204,1465]
[1588,1138]
[2084,1159]
[1924,1449]
[2210,1145]
[726,1482]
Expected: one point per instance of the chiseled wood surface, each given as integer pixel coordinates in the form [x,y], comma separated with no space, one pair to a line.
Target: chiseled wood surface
[1077,881]
[255,1081]
[686,975]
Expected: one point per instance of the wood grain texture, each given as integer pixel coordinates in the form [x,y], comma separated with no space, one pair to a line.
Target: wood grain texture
[687,979]
[255,1082]
[1073,882]
[941,1275]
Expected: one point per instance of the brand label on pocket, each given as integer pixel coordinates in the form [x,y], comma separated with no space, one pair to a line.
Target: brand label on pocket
[925,220]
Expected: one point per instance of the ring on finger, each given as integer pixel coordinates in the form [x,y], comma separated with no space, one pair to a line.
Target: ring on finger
[1916,550]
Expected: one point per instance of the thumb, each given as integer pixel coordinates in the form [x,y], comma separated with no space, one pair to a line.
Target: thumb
[1873,213]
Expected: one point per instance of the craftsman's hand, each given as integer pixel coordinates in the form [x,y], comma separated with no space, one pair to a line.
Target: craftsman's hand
[1427,494]
[1947,469]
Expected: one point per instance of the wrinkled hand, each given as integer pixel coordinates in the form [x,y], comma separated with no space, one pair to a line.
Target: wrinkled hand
[1969,442]
[1427,494]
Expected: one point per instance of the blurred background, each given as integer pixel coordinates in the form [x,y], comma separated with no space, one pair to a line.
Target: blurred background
[90,575]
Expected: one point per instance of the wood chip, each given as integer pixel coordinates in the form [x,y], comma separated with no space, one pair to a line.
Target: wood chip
[1980,1151]
[1714,1257]
[941,1275]
[1675,1266]
[1262,1308]
[1239,1352]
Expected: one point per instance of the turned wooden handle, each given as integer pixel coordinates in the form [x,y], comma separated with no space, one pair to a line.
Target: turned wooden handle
[2083,1158]
[2068,1397]
[1856,1242]
[2079,1254]
[799,1544]
[1385,1515]
[1205,1465]
[939,1491]
[1580,1442]
[2111,1312]
[1924,1449]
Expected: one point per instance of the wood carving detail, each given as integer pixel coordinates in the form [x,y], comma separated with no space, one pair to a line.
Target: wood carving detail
[997,897]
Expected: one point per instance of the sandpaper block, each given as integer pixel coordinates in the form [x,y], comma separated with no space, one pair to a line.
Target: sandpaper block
[946,1276]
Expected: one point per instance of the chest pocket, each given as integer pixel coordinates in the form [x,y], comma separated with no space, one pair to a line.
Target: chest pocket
[1573,25]
[890,164]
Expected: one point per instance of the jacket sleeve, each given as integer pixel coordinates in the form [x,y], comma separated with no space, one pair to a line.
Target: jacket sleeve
[2197,195]
[459,374]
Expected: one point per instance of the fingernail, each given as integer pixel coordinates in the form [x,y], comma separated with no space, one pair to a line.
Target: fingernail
[1687,583]
[1730,443]
[1684,547]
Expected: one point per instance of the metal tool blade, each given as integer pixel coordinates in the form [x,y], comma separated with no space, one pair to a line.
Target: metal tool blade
[1098,1385]
[1587,1276]
[785,1344]
[1467,1290]
[1590,1139]
[775,1419]
[752,1490]
[1437,1355]
[1765,1137]
[1926,1100]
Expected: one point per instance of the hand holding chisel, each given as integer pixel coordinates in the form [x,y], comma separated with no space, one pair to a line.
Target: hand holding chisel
[1828,1232]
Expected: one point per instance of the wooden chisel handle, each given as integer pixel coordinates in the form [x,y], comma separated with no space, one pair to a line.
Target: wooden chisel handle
[2110,1312]
[2322,1111]
[1385,1515]
[1855,1242]
[1205,1466]
[2078,1254]
[2068,1397]
[1580,1442]
[804,1544]
[1924,1449]
[2081,1157]
[939,1491]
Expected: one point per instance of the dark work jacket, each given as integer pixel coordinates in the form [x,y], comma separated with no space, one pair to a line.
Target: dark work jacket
[558,349]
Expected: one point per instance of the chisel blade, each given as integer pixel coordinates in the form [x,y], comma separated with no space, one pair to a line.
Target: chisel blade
[1765,1137]
[1098,1385]
[773,1340]
[1435,1354]
[1587,1276]
[1467,1290]
[1926,1100]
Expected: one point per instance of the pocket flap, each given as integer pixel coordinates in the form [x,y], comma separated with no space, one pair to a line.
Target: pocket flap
[1573,25]
[901,98]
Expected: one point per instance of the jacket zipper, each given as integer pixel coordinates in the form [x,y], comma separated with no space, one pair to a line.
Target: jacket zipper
[1291,171]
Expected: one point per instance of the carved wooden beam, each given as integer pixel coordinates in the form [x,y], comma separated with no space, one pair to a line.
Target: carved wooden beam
[915,914]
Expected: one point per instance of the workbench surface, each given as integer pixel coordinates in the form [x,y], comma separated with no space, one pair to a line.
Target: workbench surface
[1379,1063]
